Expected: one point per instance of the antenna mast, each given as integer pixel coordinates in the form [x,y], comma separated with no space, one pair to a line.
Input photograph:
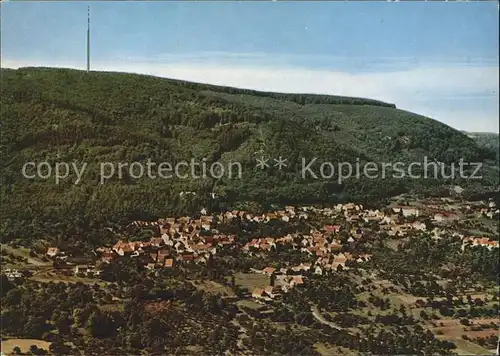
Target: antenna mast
[88,39]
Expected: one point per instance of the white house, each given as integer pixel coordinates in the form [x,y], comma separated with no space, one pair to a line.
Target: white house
[406,210]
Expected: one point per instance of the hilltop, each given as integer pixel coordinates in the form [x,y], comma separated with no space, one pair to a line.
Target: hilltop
[62,115]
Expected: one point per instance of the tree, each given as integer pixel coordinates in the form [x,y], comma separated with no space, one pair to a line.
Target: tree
[424,315]
[465,322]
[37,351]
[272,279]
[59,349]
[63,323]
[100,325]
[6,285]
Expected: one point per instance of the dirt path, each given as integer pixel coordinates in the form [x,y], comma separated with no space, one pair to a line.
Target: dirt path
[317,315]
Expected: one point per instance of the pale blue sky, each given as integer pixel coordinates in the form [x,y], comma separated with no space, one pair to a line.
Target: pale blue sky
[439,59]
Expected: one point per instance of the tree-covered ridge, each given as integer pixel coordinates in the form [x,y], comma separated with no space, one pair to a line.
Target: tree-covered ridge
[62,115]
[487,140]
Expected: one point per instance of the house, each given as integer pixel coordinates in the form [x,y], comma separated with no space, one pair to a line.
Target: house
[446,217]
[258,218]
[364,257]
[156,241]
[187,257]
[390,220]
[179,246]
[401,229]
[437,233]
[479,241]
[335,266]
[199,248]
[418,225]
[353,218]
[265,246]
[348,207]
[272,291]
[371,218]
[340,259]
[53,251]
[201,259]
[406,211]
[138,252]
[13,273]
[303,216]
[258,293]
[124,248]
[107,257]
[271,216]
[374,213]
[305,266]
[334,246]
[205,225]
[268,270]
[162,254]
[299,268]
[86,270]
[297,281]
[169,263]
[332,228]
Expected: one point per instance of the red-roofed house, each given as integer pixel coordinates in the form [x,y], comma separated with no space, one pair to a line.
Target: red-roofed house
[53,251]
[273,292]
[258,293]
[332,228]
[268,270]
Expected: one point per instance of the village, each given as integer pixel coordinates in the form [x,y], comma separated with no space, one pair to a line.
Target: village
[287,256]
[338,237]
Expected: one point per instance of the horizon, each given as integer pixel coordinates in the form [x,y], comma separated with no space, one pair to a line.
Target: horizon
[440,63]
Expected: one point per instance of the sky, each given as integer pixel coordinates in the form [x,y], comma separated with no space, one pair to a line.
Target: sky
[438,59]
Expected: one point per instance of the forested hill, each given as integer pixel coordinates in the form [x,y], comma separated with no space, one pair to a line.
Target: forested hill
[61,115]
[488,140]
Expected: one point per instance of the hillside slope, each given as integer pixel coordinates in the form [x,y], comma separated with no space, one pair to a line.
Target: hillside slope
[60,115]
[487,140]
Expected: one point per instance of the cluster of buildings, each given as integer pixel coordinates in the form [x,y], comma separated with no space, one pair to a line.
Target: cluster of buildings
[176,241]
[479,241]
[281,281]
[13,273]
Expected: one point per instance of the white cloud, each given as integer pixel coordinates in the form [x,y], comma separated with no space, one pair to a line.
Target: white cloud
[445,91]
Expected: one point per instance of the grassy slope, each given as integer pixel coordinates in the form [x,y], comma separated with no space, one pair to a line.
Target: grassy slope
[60,115]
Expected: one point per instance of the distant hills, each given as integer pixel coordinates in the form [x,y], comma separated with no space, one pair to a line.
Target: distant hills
[488,140]
[62,115]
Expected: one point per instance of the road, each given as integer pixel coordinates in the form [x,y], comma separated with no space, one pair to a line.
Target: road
[317,315]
